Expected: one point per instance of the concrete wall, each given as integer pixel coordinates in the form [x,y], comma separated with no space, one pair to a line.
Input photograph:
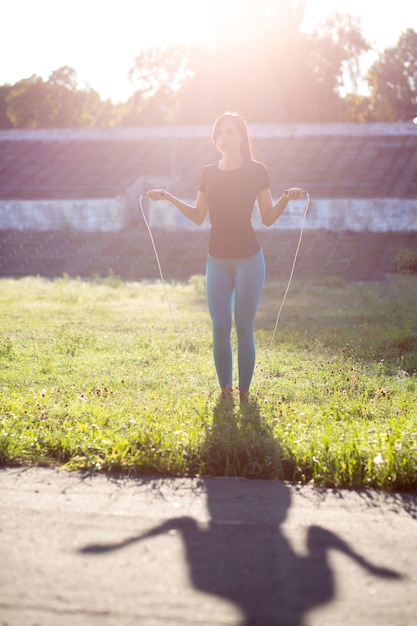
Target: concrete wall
[378,215]
[91,215]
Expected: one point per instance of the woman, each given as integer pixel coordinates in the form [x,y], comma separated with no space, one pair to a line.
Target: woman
[235,269]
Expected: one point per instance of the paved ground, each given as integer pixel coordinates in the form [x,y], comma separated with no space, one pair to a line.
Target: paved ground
[78,550]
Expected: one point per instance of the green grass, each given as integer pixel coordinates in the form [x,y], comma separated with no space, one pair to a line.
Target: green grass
[97,375]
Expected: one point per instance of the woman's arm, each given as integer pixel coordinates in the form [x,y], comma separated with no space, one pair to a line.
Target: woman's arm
[196,213]
[270,212]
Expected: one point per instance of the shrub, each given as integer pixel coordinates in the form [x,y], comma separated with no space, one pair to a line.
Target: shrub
[405,261]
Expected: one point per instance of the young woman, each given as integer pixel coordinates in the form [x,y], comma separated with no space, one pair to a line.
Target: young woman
[235,269]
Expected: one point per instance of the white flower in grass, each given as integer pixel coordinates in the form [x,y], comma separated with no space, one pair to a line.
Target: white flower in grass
[378,459]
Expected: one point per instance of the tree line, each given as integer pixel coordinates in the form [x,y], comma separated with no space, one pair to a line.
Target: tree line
[272,73]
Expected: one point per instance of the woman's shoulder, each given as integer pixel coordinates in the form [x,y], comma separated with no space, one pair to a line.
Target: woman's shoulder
[211,166]
[258,165]
[260,174]
[258,169]
[209,169]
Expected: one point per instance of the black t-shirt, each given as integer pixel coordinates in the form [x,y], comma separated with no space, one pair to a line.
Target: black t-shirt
[231,196]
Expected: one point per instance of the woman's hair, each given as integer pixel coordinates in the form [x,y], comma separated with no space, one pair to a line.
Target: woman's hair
[242,129]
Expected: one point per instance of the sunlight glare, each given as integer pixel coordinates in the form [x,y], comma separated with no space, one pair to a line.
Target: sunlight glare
[100,40]
[381,25]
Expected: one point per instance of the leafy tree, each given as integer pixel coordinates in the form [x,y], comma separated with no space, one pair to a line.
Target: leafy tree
[251,69]
[263,65]
[4,120]
[68,105]
[56,103]
[28,103]
[158,75]
[334,59]
[164,66]
[393,81]
[355,108]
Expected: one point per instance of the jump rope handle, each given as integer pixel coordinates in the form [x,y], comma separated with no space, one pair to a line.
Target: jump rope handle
[305,193]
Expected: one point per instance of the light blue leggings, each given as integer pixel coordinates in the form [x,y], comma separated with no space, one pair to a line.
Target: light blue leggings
[239,281]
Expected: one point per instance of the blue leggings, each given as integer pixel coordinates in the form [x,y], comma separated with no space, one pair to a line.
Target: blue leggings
[239,281]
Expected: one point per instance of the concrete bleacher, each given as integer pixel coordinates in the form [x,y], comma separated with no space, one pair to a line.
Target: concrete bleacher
[362,179]
[129,254]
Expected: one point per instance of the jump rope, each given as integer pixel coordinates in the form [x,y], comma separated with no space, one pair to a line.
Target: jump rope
[286,289]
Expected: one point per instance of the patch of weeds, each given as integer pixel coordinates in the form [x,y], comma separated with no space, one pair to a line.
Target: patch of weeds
[101,378]
[405,260]
[7,351]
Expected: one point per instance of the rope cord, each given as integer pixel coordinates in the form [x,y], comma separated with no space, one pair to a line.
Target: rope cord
[286,290]
[157,257]
[291,273]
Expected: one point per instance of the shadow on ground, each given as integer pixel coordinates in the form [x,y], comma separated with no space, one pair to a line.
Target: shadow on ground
[242,555]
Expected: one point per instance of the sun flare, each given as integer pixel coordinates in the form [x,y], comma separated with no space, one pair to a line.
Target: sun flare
[100,40]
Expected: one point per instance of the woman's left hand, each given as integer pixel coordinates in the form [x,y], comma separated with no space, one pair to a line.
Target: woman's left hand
[294,193]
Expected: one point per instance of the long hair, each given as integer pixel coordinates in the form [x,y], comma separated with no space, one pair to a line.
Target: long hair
[242,129]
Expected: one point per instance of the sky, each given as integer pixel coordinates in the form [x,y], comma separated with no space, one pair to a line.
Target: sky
[100,39]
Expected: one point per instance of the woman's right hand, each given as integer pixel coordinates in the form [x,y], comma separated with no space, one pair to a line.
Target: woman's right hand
[157,194]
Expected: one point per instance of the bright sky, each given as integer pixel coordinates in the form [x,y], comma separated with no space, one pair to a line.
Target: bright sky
[100,38]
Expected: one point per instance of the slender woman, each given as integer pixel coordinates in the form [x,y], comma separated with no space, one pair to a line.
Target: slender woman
[235,269]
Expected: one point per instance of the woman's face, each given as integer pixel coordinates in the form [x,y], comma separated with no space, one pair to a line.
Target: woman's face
[227,137]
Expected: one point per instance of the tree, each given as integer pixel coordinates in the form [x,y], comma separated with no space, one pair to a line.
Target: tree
[334,51]
[4,120]
[250,68]
[70,106]
[277,73]
[164,66]
[56,103]
[27,103]
[159,75]
[393,81]
[355,108]
[263,66]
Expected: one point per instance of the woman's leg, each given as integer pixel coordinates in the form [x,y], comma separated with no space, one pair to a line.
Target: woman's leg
[249,281]
[220,290]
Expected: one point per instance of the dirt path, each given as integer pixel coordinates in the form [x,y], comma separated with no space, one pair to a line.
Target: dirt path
[78,550]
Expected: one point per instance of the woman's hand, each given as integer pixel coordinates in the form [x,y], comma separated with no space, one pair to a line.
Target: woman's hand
[157,194]
[294,193]
[196,214]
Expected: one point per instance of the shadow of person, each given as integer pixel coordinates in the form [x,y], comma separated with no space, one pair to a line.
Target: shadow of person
[242,555]
[239,443]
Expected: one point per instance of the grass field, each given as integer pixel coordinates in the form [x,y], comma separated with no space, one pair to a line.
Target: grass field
[98,375]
